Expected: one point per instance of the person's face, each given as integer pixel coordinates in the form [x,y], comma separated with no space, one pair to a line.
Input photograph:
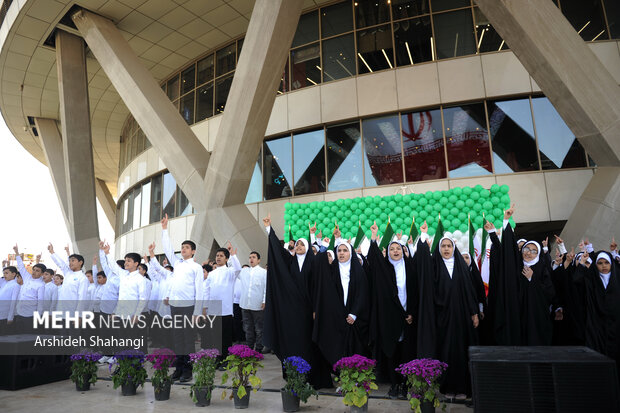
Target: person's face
[20,280]
[467,258]
[74,264]
[343,253]
[396,252]
[89,275]
[101,279]
[187,252]
[314,250]
[254,260]
[330,258]
[529,252]
[36,273]
[604,266]
[8,275]
[446,248]
[300,248]
[47,277]
[220,259]
[205,273]
[142,271]
[57,280]
[130,264]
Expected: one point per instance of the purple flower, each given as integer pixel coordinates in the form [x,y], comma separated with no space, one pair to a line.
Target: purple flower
[298,363]
[211,353]
[355,362]
[161,358]
[86,356]
[428,370]
[243,351]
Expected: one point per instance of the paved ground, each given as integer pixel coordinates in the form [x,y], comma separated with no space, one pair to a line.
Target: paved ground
[63,398]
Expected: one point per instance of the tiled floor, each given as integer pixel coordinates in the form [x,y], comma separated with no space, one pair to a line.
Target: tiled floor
[63,398]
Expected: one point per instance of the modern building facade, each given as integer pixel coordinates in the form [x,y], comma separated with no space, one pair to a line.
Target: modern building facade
[374,98]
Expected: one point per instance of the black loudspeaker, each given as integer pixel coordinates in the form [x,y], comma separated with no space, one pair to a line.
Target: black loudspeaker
[22,371]
[543,379]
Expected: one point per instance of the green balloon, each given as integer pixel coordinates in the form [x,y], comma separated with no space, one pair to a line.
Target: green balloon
[327,220]
[495,188]
[467,191]
[475,196]
[477,207]
[428,195]
[495,200]
[428,208]
[348,213]
[469,203]
[437,195]
[339,214]
[462,216]
[376,212]
[454,211]
[505,200]
[325,210]
[459,204]
[417,197]
[423,202]
[488,206]
[423,215]
[431,231]
[478,220]
[463,227]
[445,212]
[485,194]
[334,209]
[407,210]
[368,200]
[383,216]
[504,189]
[443,201]
[368,223]
[457,191]
[383,204]
[398,210]
[377,198]
[453,198]
[490,218]
[391,204]
[399,222]
[398,198]
[348,201]
[369,212]
[478,188]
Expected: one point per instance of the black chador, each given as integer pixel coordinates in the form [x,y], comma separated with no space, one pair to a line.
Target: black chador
[342,295]
[289,308]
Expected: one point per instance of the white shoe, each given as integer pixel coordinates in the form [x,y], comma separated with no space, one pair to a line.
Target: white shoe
[110,360]
[103,359]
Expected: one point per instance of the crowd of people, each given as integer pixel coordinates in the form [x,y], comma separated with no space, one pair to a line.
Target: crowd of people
[411,299]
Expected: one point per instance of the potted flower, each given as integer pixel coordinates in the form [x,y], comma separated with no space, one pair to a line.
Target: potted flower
[297,387]
[204,363]
[160,360]
[242,363]
[356,375]
[423,383]
[84,369]
[129,372]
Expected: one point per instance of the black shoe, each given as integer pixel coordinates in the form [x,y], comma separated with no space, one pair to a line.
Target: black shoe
[185,379]
[402,394]
[176,375]
[393,393]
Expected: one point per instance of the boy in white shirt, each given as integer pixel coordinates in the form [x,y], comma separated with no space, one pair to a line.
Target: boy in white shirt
[253,282]
[31,295]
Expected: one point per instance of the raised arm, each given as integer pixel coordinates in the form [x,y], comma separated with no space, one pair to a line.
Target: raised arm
[103,260]
[165,242]
[62,264]
[235,266]
[20,265]
[111,263]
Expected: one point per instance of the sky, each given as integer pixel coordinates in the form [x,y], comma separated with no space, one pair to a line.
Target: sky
[30,211]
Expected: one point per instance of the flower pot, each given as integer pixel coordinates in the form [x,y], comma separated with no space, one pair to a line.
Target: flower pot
[242,403]
[427,407]
[290,402]
[86,384]
[355,409]
[128,389]
[203,396]
[162,392]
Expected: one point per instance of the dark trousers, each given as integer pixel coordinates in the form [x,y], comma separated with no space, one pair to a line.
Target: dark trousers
[183,339]
[393,363]
[238,334]
[6,328]
[227,333]
[253,328]
[23,325]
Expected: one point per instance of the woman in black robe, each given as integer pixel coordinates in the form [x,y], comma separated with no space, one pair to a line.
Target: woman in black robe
[478,285]
[600,288]
[342,308]
[289,306]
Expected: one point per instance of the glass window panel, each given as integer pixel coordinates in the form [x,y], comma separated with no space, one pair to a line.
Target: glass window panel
[278,164]
[255,190]
[188,79]
[423,145]
[222,87]
[134,146]
[307,29]
[121,158]
[512,136]
[283,88]
[454,34]
[119,217]
[401,9]
[183,205]
[128,215]
[137,207]
[467,141]
[371,12]
[168,194]
[587,18]
[204,105]
[413,40]
[440,5]
[338,58]
[374,47]
[309,162]
[187,108]
[305,66]
[488,39]
[146,206]
[336,19]
[226,59]
[382,145]
[205,69]
[557,144]
[173,88]
[155,199]
[612,11]
[344,157]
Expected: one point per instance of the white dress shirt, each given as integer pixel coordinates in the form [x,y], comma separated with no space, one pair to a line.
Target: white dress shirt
[165,280]
[186,286]
[220,284]
[132,297]
[154,295]
[8,299]
[109,295]
[253,282]
[31,294]
[96,302]
[73,296]
[50,296]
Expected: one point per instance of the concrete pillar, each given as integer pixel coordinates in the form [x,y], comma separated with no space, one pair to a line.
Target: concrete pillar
[52,147]
[242,129]
[176,144]
[583,92]
[567,71]
[77,143]
[106,200]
